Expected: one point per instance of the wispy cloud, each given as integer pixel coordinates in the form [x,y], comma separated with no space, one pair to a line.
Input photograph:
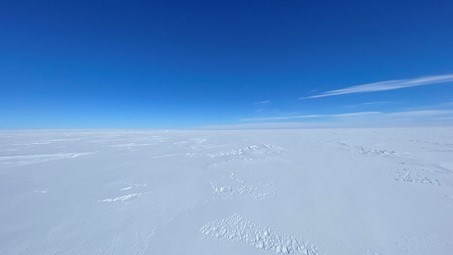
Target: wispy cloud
[374,114]
[448,104]
[372,103]
[386,85]
[309,116]
[408,118]
[421,113]
[263,102]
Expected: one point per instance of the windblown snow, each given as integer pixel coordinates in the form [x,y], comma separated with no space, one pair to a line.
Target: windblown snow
[311,192]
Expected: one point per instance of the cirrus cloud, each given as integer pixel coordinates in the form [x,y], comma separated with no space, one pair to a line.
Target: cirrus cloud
[386,85]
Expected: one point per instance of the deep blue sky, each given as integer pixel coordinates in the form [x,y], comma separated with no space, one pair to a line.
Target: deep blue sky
[182,64]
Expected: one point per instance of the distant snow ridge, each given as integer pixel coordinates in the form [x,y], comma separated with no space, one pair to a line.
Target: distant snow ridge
[38,158]
[227,192]
[252,150]
[256,190]
[407,175]
[243,230]
[367,151]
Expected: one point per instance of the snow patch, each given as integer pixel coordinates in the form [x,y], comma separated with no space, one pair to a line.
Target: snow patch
[250,151]
[411,175]
[237,228]
[123,198]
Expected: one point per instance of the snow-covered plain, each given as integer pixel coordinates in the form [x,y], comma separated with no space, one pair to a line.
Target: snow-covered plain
[326,191]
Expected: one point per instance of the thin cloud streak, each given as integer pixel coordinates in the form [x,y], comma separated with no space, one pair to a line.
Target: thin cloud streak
[263,102]
[421,113]
[373,103]
[409,118]
[400,114]
[308,116]
[386,85]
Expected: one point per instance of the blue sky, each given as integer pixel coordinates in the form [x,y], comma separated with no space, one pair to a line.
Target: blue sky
[185,64]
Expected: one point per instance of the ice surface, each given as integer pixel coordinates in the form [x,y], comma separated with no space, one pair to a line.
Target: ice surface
[326,191]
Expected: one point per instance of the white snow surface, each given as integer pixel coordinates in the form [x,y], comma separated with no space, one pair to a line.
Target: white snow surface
[324,191]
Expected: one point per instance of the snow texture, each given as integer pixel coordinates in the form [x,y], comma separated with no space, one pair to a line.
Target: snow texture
[317,192]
